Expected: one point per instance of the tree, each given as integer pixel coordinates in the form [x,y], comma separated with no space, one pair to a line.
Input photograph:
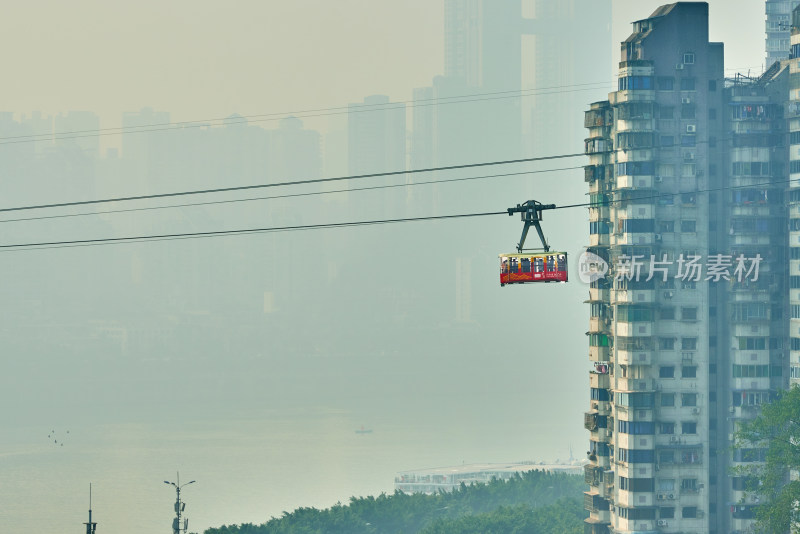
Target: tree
[774,437]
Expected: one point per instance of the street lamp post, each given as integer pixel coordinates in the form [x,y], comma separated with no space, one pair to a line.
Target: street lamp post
[177,526]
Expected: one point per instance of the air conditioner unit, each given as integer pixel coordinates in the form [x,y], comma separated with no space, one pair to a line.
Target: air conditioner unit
[691,128]
[674,439]
[658,237]
[661,496]
[695,411]
[679,66]
[669,294]
[671,496]
[662,523]
[659,179]
[610,433]
[688,156]
[686,100]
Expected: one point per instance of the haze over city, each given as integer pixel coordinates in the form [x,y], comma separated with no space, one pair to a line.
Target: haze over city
[248,362]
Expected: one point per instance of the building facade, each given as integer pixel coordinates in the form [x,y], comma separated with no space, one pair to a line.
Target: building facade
[777,28]
[688,332]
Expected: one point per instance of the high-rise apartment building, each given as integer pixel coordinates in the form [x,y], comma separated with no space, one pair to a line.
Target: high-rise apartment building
[793,112]
[778,25]
[688,330]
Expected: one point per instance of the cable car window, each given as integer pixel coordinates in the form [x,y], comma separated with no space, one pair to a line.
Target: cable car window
[538,265]
[562,263]
[551,264]
[504,266]
[514,265]
[526,265]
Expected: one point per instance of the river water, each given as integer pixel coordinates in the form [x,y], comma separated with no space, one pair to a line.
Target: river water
[248,468]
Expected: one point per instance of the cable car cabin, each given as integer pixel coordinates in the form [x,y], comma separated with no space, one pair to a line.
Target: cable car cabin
[533,267]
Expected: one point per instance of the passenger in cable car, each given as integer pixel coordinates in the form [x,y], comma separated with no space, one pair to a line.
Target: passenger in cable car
[551,264]
[562,263]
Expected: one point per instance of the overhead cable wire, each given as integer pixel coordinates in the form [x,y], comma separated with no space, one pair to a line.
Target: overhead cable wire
[290,183]
[219,233]
[293,195]
[308,113]
[352,177]
[358,107]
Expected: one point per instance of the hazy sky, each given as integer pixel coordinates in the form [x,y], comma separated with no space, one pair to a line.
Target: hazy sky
[201,59]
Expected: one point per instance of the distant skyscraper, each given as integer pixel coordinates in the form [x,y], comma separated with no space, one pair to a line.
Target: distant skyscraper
[376,142]
[295,153]
[376,136]
[778,24]
[71,130]
[562,70]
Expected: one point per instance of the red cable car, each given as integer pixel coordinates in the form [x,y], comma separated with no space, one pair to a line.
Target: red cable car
[523,266]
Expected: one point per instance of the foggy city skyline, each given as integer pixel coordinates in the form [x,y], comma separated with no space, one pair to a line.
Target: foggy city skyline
[248,362]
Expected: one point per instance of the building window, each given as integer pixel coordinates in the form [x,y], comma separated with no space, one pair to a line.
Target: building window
[688,399]
[689,484]
[689,512]
[667,399]
[666,512]
[667,343]
[688,427]
[666,84]
[687,84]
[666,227]
[666,428]
[689,313]
[666,371]
[688,343]
[689,371]
[667,314]
[688,58]
[688,111]
[712,86]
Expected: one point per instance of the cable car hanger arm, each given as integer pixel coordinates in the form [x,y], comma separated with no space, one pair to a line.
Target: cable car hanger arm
[531,215]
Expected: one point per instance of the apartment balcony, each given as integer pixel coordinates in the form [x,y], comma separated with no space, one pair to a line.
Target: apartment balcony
[630,182]
[794,209]
[744,412]
[631,499]
[634,296]
[634,357]
[597,380]
[634,238]
[595,118]
[593,502]
[599,324]
[634,384]
[601,407]
[635,470]
[751,328]
[632,95]
[635,125]
[599,354]
[635,525]
[754,239]
[752,210]
[639,329]
[599,240]
[756,295]
[749,181]
[598,293]
[744,384]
